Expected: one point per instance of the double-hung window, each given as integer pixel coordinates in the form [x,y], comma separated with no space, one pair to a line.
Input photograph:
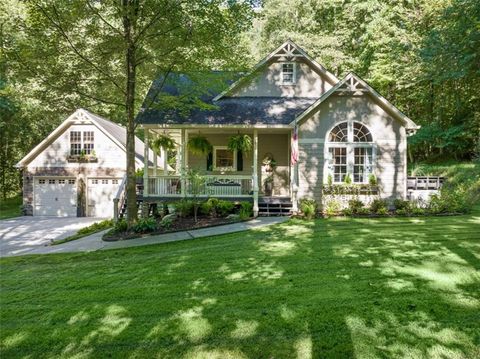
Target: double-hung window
[81,142]
[224,159]
[288,73]
[75,143]
[350,150]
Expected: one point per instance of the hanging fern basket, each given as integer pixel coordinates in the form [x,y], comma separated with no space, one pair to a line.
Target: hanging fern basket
[199,145]
[164,142]
[240,143]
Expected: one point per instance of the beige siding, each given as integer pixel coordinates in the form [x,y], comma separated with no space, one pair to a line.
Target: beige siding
[267,83]
[55,155]
[388,134]
[276,144]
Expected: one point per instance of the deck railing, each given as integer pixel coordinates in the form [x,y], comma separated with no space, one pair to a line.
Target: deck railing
[215,186]
[424,183]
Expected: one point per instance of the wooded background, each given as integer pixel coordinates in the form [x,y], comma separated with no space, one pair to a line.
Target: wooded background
[423,56]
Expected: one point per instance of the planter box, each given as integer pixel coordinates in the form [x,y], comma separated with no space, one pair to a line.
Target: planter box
[82,159]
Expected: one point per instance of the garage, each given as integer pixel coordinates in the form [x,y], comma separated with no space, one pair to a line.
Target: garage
[100,195]
[55,196]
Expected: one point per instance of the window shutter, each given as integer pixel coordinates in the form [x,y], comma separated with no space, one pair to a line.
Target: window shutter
[239,161]
[210,161]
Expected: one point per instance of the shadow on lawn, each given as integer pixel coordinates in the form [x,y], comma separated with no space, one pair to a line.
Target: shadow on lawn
[331,288]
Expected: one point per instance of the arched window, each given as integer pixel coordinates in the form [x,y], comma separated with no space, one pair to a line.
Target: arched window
[350,150]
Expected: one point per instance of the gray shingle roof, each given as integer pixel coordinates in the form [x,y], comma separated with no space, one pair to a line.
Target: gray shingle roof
[226,111]
[120,134]
[235,111]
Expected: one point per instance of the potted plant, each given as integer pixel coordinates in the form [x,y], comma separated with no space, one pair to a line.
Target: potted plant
[165,142]
[268,185]
[240,143]
[199,145]
[269,162]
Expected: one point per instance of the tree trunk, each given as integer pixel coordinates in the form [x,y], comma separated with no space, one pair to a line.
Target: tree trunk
[130,8]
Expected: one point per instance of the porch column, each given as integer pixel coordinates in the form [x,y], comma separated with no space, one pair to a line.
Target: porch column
[145,163]
[155,164]
[294,180]
[165,162]
[183,151]
[255,173]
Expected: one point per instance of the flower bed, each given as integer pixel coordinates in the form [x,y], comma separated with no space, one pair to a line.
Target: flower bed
[182,216]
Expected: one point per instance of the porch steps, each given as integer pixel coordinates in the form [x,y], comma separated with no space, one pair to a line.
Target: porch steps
[274,206]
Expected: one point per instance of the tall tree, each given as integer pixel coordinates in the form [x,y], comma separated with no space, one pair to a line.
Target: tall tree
[107,52]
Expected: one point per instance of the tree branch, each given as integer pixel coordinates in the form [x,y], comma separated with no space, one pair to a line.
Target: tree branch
[73,47]
[102,18]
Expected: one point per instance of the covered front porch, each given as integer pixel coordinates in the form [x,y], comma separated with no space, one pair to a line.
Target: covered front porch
[265,171]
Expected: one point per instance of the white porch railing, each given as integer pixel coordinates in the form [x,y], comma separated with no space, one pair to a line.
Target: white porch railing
[215,186]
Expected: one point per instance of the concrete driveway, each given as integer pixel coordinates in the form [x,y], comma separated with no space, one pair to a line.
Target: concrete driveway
[22,235]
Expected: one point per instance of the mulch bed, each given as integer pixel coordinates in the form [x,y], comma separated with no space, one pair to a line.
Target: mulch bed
[180,224]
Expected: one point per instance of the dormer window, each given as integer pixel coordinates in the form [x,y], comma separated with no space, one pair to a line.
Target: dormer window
[288,73]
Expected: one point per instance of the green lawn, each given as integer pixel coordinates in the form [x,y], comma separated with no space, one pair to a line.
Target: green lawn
[10,208]
[335,288]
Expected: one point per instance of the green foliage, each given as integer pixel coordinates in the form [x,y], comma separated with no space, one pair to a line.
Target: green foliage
[308,207]
[372,179]
[120,227]
[348,179]
[332,208]
[184,208]
[11,207]
[199,145]
[165,142]
[329,180]
[378,206]
[382,211]
[355,205]
[241,143]
[219,208]
[401,204]
[145,225]
[166,223]
[96,227]
[246,210]
[223,208]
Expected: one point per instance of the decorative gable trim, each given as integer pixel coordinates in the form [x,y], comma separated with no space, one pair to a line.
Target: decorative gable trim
[353,84]
[288,51]
[80,116]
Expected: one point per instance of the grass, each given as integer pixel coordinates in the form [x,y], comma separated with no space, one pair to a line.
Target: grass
[456,172]
[10,207]
[329,288]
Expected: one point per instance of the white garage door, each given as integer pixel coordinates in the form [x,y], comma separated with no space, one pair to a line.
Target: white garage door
[55,196]
[100,194]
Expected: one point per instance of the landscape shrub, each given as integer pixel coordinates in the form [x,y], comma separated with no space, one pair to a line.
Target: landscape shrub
[401,204]
[364,211]
[224,208]
[246,210]
[348,212]
[308,207]
[332,208]
[184,208]
[354,205]
[120,226]
[402,212]
[96,227]
[418,211]
[145,225]
[166,223]
[382,211]
[378,205]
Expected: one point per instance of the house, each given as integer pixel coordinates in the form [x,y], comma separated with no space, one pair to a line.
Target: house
[307,126]
[78,169]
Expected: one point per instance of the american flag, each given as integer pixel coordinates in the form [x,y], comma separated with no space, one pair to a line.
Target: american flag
[294,146]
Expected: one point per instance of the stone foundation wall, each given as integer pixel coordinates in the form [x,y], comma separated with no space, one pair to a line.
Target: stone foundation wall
[78,172]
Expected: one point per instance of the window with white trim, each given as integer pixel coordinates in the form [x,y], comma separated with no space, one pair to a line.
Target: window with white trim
[81,142]
[288,73]
[88,142]
[75,143]
[350,150]
[224,159]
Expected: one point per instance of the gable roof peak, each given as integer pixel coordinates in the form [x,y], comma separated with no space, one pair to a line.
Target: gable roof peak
[290,49]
